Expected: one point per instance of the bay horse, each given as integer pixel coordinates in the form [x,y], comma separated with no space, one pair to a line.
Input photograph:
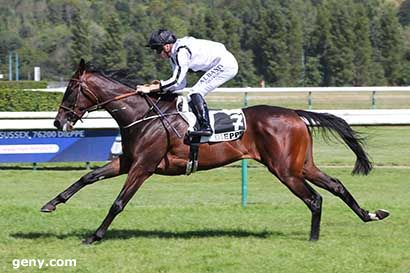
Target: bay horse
[151,130]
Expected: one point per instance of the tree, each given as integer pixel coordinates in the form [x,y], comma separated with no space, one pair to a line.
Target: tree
[139,59]
[390,46]
[294,41]
[286,43]
[319,47]
[246,74]
[112,52]
[80,42]
[197,26]
[362,48]
[374,10]
[269,45]
[404,13]
[214,29]
[312,76]
[341,54]
[10,41]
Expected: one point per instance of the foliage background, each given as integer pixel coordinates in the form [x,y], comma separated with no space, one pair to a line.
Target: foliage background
[285,43]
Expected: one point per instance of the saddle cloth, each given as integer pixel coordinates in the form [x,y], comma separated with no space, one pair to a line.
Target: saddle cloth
[227,125]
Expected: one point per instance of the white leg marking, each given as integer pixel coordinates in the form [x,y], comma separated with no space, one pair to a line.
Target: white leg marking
[373,216]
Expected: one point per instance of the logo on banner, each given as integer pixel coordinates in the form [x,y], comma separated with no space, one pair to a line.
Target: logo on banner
[29,149]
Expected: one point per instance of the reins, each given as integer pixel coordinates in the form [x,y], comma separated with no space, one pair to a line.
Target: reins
[160,113]
[149,118]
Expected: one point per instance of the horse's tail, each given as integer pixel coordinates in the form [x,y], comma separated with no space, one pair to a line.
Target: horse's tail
[329,122]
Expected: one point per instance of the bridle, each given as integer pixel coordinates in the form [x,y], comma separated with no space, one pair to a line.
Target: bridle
[83,88]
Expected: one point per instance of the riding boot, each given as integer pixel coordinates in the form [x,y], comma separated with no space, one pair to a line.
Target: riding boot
[200,109]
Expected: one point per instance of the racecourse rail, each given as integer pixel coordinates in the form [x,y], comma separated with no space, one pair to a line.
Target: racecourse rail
[100,119]
[309,90]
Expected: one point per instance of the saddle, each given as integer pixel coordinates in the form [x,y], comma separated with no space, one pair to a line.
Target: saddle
[227,125]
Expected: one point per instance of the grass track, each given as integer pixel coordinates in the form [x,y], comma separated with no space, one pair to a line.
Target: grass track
[196,224]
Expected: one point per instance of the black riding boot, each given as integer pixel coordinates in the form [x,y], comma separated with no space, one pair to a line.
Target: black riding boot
[200,109]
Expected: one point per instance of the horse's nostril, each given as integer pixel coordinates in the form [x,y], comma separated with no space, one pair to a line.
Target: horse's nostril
[57,124]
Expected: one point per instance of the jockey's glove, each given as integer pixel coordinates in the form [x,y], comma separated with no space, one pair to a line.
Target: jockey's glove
[148,88]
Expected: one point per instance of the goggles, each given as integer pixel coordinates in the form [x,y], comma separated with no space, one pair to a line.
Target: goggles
[158,49]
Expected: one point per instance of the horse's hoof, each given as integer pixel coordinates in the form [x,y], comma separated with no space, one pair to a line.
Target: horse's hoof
[48,208]
[91,239]
[379,215]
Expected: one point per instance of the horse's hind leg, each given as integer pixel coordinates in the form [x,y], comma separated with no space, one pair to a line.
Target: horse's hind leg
[333,185]
[284,155]
[305,192]
[114,168]
[310,197]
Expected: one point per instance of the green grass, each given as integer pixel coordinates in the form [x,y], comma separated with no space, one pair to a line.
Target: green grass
[181,224]
[196,224]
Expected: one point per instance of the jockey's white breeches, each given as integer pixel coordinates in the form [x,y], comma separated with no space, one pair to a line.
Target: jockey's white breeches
[223,70]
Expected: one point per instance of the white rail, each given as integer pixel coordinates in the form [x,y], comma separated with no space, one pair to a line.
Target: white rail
[102,120]
[246,90]
[283,89]
[44,120]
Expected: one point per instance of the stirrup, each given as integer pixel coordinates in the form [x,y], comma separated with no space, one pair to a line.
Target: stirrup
[204,130]
[201,133]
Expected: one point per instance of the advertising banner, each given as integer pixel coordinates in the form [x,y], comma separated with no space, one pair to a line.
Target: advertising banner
[57,146]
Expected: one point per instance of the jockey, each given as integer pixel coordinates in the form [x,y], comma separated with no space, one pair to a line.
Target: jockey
[189,53]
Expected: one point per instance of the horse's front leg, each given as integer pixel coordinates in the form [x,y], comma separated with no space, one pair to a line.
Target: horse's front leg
[136,176]
[114,168]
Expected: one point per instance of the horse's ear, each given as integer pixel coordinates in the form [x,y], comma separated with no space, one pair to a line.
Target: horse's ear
[81,66]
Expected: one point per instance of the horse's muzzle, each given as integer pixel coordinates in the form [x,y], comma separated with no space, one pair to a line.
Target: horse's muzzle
[66,126]
[57,124]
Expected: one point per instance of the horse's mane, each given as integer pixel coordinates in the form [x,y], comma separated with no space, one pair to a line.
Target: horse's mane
[123,76]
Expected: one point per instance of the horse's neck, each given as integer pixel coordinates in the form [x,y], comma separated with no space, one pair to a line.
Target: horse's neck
[135,107]
[123,110]
[153,107]
[127,110]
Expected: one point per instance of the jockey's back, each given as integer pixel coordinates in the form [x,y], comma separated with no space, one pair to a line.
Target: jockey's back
[204,54]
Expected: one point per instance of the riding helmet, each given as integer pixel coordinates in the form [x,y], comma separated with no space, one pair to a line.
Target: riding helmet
[161,37]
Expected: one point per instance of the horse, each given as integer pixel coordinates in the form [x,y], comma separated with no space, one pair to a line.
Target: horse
[152,143]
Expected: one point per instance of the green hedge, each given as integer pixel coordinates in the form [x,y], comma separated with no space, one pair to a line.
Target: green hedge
[22,84]
[13,100]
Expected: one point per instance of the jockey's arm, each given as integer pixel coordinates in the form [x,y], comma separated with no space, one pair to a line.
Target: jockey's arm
[155,86]
[180,69]
[176,82]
